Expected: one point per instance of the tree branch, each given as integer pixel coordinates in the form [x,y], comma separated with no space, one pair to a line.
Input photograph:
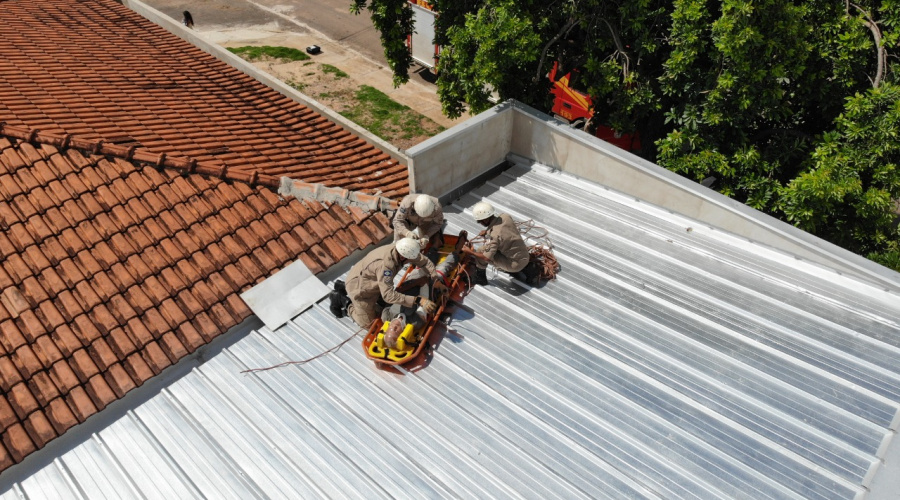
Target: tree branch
[562,32]
[620,48]
[880,52]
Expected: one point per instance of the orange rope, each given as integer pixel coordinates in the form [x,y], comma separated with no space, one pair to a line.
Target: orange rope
[541,251]
[333,349]
[545,259]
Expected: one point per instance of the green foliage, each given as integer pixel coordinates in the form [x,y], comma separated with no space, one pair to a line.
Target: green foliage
[775,99]
[847,193]
[281,54]
[393,20]
[327,68]
[296,85]
[492,52]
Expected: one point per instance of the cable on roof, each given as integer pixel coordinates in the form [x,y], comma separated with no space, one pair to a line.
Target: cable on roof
[286,363]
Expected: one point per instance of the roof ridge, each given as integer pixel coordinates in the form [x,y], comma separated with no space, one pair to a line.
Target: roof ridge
[138,154]
[343,197]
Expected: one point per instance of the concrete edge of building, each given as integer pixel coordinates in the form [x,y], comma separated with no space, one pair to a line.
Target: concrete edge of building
[443,164]
[270,81]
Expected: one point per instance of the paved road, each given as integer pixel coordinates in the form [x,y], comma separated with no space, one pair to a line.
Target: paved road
[331,18]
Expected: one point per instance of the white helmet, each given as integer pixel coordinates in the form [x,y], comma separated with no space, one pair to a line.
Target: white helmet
[482,210]
[423,205]
[408,248]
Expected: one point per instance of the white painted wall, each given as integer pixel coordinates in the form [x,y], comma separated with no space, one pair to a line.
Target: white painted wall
[462,153]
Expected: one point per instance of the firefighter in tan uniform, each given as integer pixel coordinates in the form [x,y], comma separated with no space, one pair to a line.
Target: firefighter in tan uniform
[422,212]
[504,247]
[372,278]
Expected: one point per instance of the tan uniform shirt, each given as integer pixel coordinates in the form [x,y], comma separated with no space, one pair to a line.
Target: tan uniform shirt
[406,220]
[373,276]
[505,247]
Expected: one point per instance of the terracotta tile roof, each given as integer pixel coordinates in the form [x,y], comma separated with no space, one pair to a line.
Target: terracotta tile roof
[96,70]
[114,269]
[137,202]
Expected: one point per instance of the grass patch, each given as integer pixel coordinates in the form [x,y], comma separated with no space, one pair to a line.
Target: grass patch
[386,118]
[282,54]
[297,85]
[327,68]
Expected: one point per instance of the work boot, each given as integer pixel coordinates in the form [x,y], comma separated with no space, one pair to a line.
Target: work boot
[481,277]
[532,274]
[339,304]
[340,287]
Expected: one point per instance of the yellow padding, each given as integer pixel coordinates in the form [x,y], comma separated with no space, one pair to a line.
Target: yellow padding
[377,349]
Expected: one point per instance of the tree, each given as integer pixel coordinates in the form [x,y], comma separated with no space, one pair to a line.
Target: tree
[849,193]
[769,97]
[394,21]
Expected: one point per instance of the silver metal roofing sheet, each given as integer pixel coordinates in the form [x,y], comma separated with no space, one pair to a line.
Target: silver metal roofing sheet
[668,360]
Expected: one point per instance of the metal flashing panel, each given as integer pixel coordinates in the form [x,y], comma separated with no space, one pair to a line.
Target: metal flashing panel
[285,295]
[668,360]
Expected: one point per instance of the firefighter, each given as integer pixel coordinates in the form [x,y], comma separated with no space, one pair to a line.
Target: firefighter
[421,217]
[504,247]
[372,279]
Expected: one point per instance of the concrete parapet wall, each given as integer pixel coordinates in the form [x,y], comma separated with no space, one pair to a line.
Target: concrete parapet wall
[454,157]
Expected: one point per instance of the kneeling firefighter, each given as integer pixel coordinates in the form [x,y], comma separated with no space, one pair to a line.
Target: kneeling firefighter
[504,247]
[370,283]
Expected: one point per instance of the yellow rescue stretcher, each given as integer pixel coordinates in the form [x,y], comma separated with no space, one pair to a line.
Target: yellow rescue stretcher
[410,343]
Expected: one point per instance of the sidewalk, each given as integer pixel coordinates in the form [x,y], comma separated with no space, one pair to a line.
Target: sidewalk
[417,93]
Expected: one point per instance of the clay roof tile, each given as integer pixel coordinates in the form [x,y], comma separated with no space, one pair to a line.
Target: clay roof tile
[119,380]
[9,375]
[39,429]
[81,404]
[99,391]
[63,377]
[17,442]
[156,359]
[21,400]
[60,415]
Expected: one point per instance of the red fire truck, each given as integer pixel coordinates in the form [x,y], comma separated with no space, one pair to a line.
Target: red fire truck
[421,42]
[576,107]
[570,105]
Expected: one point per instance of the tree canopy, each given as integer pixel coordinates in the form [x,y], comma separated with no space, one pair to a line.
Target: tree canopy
[793,107]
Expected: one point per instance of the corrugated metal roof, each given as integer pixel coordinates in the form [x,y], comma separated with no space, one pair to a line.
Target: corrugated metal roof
[668,360]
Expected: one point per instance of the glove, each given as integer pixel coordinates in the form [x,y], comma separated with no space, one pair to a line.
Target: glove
[423,242]
[430,306]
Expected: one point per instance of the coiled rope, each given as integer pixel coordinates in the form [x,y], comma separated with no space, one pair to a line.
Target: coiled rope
[541,250]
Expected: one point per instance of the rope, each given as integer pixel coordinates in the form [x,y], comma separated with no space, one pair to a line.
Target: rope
[333,349]
[541,251]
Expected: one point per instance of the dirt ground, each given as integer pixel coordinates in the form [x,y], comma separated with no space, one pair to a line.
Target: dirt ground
[339,93]
[232,23]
